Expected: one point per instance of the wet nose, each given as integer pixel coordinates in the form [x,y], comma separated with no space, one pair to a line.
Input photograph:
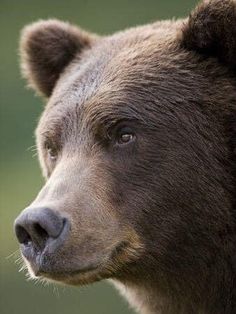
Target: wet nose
[36,226]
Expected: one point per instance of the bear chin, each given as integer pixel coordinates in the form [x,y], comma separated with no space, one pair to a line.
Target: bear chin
[78,278]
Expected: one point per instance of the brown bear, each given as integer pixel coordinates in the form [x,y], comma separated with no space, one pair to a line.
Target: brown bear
[137,143]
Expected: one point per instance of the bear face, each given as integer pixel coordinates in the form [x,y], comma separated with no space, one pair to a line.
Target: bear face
[136,145]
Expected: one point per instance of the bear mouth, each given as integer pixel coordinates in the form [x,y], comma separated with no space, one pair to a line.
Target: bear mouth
[42,268]
[45,268]
[64,273]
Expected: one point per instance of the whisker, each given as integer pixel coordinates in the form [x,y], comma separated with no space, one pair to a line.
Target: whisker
[12,254]
[35,155]
[56,291]
[32,148]
[19,260]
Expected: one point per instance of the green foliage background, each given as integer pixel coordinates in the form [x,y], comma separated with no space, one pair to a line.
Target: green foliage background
[20,174]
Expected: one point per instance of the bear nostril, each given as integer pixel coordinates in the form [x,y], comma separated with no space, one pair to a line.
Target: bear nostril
[40,232]
[22,235]
[35,235]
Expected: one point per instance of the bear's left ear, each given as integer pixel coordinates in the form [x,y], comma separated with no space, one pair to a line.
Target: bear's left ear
[211,30]
[46,48]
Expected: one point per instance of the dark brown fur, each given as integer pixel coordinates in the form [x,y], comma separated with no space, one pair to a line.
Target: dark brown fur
[157,216]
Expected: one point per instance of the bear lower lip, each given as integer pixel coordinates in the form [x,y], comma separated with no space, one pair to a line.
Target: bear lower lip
[77,277]
[60,274]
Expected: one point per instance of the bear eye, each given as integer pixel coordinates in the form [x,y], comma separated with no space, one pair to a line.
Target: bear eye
[52,150]
[125,136]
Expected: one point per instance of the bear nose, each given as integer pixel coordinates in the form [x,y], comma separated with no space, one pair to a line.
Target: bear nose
[36,226]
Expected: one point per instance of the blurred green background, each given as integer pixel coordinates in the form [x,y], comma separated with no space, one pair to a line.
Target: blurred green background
[20,174]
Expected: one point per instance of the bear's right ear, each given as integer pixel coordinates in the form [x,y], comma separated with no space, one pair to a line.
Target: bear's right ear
[211,31]
[46,48]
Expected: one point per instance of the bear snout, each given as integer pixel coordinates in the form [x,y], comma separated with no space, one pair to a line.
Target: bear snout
[40,230]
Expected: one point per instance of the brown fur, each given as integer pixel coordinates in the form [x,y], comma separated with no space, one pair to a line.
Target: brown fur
[157,215]
[211,30]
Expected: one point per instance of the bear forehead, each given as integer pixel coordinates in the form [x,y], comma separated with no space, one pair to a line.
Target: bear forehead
[117,64]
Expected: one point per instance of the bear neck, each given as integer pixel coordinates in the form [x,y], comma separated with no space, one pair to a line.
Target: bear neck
[217,296]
